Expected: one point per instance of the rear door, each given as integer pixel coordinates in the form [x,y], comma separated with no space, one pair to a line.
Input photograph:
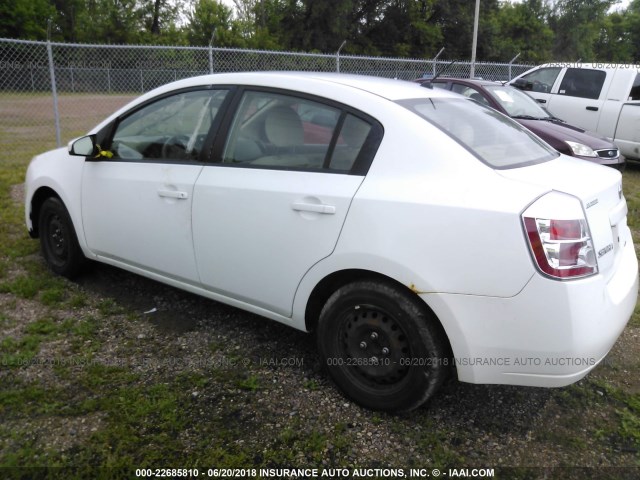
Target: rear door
[275,202]
[580,97]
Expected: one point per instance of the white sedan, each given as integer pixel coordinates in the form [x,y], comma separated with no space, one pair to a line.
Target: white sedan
[415,232]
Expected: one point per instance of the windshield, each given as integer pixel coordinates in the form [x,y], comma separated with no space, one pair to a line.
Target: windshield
[516,103]
[492,137]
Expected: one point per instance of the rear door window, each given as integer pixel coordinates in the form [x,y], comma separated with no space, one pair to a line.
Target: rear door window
[274,130]
[582,83]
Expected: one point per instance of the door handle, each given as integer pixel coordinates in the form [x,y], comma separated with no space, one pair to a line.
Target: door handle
[173,194]
[314,207]
[592,109]
[541,100]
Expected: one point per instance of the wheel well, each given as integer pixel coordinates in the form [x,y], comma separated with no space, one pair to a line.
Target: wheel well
[36,202]
[331,283]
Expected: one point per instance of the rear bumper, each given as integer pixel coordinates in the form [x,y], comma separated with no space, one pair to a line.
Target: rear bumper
[551,334]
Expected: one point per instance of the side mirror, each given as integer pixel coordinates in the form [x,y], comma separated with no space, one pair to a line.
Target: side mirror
[84,146]
[522,84]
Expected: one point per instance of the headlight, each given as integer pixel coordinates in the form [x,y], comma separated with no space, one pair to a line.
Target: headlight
[581,149]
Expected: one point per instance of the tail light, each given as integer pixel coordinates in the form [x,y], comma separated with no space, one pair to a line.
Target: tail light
[562,248]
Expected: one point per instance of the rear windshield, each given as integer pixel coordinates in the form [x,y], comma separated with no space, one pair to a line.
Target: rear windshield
[492,137]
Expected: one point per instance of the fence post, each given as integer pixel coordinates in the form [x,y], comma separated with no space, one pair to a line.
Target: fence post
[338,56]
[435,59]
[54,90]
[511,62]
[213,34]
[474,41]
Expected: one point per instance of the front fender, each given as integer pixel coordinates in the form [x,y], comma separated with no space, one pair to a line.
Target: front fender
[61,173]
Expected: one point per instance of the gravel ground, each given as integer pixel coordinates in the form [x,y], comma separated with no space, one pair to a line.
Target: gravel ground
[278,385]
[174,332]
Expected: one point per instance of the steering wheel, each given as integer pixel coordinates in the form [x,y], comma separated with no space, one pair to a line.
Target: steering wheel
[175,146]
[538,86]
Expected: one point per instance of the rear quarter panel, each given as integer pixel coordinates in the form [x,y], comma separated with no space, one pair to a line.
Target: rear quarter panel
[433,217]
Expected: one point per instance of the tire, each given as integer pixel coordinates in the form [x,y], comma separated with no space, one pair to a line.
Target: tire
[58,239]
[369,322]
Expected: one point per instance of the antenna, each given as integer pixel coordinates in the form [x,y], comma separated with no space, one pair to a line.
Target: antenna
[428,84]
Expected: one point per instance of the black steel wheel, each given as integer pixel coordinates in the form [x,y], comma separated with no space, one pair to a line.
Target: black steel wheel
[382,346]
[58,239]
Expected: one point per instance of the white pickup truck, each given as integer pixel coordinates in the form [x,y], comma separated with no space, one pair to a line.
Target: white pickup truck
[600,97]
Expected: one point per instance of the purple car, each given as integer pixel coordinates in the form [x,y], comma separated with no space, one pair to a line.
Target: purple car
[565,138]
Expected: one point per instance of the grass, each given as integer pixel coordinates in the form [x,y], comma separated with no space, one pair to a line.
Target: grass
[128,417]
[250,383]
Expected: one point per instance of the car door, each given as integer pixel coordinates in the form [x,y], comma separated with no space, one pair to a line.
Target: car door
[136,205]
[624,83]
[275,202]
[580,97]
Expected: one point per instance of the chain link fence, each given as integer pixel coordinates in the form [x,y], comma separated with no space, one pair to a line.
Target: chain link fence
[53,92]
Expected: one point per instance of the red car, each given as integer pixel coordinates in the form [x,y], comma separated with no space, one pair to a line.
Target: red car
[565,138]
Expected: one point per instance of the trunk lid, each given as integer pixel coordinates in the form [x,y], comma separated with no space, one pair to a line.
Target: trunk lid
[599,190]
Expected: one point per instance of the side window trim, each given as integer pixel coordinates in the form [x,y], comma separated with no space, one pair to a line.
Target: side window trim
[334,140]
[634,92]
[215,130]
[369,149]
[556,85]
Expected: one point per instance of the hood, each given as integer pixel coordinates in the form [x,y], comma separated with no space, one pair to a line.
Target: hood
[555,133]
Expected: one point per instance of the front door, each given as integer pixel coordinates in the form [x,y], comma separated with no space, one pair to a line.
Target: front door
[136,206]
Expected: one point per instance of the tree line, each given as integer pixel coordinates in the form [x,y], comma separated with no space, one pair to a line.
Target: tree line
[539,30]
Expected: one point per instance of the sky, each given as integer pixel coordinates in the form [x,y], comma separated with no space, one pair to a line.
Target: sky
[621,5]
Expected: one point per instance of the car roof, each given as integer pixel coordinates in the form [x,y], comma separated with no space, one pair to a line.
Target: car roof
[468,81]
[391,89]
[328,85]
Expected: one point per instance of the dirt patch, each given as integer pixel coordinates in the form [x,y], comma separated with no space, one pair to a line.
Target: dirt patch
[17,193]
